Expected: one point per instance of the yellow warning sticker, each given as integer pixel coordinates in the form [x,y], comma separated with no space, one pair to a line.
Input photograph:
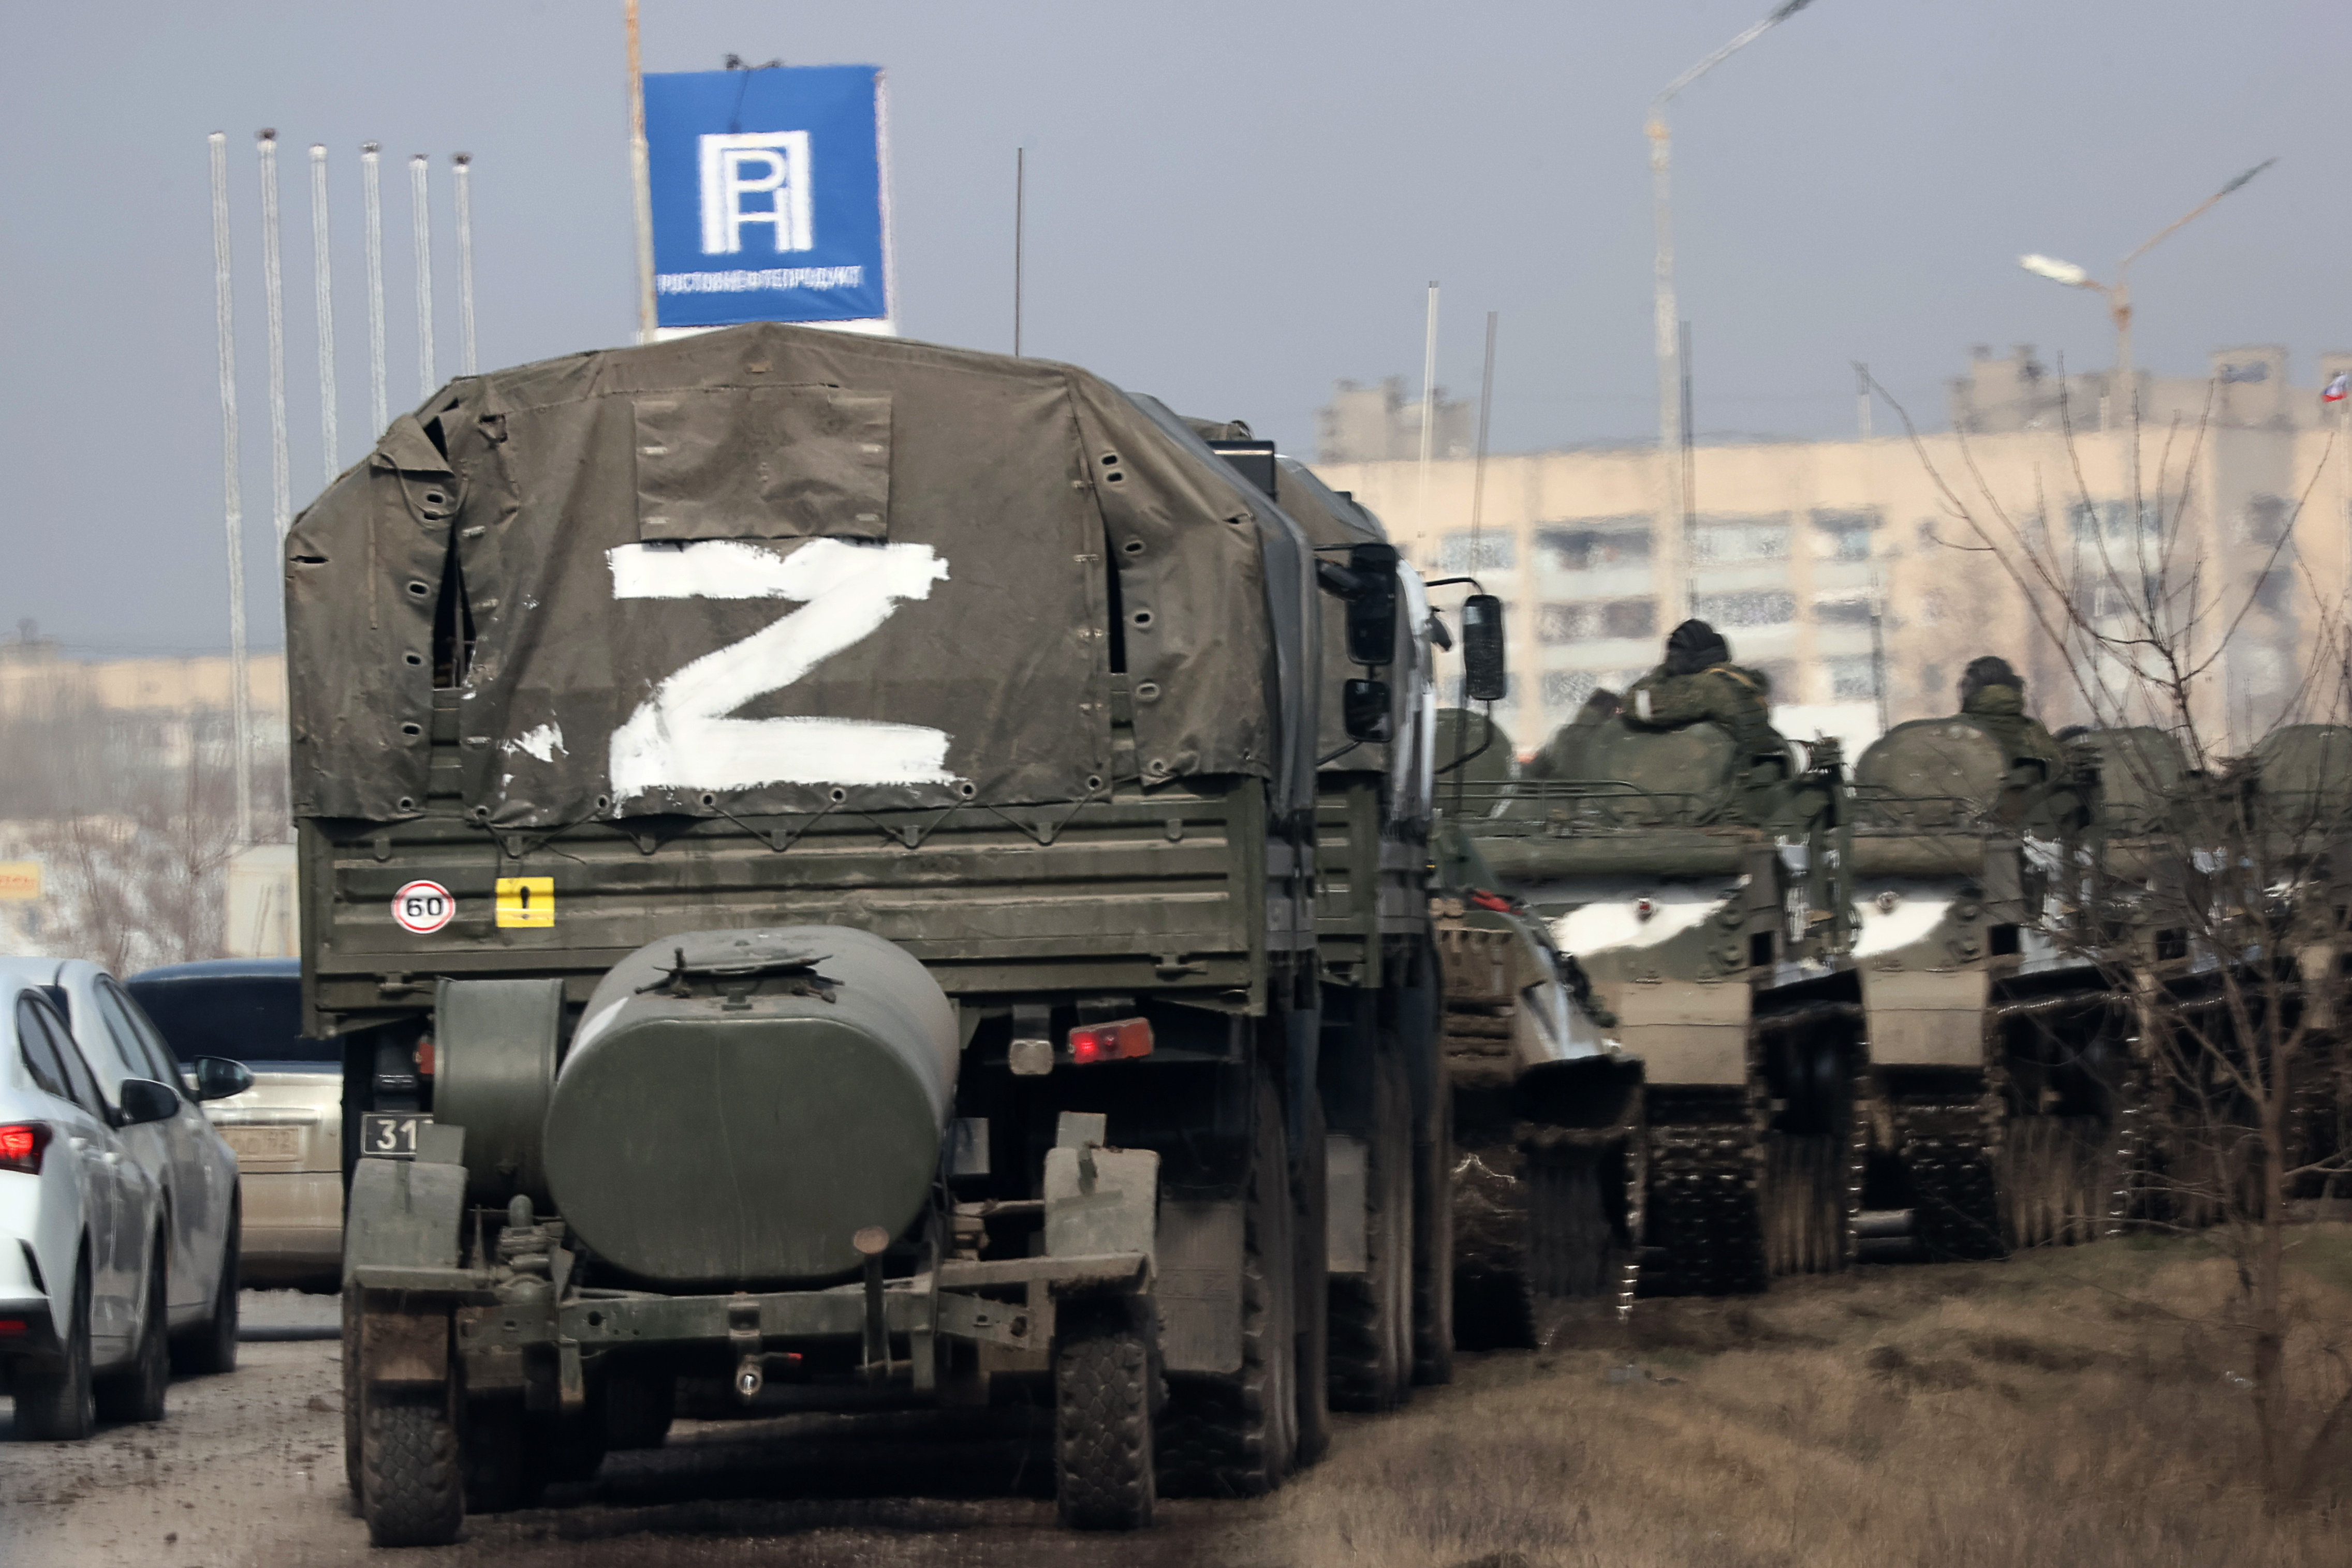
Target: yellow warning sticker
[526,900]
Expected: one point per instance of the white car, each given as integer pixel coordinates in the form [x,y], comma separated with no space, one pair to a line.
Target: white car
[117,1206]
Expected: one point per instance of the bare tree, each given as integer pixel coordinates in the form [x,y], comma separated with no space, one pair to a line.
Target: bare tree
[2216,893]
[132,815]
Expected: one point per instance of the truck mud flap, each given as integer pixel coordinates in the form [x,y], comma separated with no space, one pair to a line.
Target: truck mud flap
[1200,1285]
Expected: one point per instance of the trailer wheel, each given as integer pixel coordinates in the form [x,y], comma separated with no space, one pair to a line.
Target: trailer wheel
[413,1493]
[1238,1435]
[1106,1376]
[1432,1243]
[1372,1350]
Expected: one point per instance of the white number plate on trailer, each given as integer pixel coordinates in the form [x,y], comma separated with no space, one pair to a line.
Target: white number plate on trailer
[390,1136]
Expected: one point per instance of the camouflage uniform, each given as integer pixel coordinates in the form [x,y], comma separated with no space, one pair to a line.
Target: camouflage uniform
[1999,709]
[2038,793]
[1722,694]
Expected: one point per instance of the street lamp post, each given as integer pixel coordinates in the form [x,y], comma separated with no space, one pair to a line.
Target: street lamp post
[2118,296]
[1674,508]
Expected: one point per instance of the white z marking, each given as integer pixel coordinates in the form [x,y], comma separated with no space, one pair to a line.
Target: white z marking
[681,736]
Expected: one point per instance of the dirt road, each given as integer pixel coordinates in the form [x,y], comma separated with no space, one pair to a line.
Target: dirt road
[247,1472]
[2070,1409]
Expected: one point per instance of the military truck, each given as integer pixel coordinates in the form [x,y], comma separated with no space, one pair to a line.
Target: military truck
[1694,883]
[1384,1095]
[1999,1041]
[830,865]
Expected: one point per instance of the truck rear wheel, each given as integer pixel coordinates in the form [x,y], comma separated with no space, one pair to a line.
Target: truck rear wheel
[1237,1435]
[1106,1378]
[412,1494]
[1372,1350]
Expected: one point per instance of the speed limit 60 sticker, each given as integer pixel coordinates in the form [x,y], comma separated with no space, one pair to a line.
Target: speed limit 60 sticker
[422,907]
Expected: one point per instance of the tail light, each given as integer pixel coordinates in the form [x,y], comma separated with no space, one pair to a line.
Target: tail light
[11,1327]
[1494,901]
[21,1143]
[425,1058]
[1120,1042]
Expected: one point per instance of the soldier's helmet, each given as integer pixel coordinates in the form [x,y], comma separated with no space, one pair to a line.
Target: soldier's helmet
[1989,671]
[1694,646]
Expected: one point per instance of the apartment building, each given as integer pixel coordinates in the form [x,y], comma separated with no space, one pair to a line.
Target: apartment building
[1862,575]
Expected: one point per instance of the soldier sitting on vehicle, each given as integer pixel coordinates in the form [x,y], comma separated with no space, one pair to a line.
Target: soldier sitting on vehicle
[1698,683]
[1992,699]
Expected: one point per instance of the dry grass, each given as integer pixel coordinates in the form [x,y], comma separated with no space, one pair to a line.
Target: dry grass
[2071,1408]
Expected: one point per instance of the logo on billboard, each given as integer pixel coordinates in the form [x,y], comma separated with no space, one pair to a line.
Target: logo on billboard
[769,165]
[769,192]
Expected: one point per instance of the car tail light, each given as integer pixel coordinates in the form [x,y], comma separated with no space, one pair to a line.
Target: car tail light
[14,1326]
[1494,901]
[425,1058]
[1120,1042]
[21,1143]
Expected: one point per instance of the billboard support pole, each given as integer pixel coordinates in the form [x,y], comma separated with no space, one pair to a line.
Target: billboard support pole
[232,503]
[640,180]
[322,300]
[372,189]
[421,229]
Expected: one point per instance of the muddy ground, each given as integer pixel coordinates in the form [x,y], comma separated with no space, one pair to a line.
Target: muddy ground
[2075,1408]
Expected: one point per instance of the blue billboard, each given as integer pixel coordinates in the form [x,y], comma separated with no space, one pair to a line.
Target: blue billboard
[771,195]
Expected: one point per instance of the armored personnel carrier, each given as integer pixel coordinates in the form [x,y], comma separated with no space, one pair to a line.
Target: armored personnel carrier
[1542,1211]
[815,848]
[1693,883]
[2225,898]
[1997,1039]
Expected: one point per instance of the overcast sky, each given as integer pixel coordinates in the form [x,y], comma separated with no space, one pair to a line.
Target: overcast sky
[1230,206]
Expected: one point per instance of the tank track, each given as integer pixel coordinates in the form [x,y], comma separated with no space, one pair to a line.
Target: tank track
[2059,1179]
[1579,1232]
[1948,1144]
[1702,1223]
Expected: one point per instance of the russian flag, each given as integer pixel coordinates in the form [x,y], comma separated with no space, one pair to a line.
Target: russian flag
[2337,388]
